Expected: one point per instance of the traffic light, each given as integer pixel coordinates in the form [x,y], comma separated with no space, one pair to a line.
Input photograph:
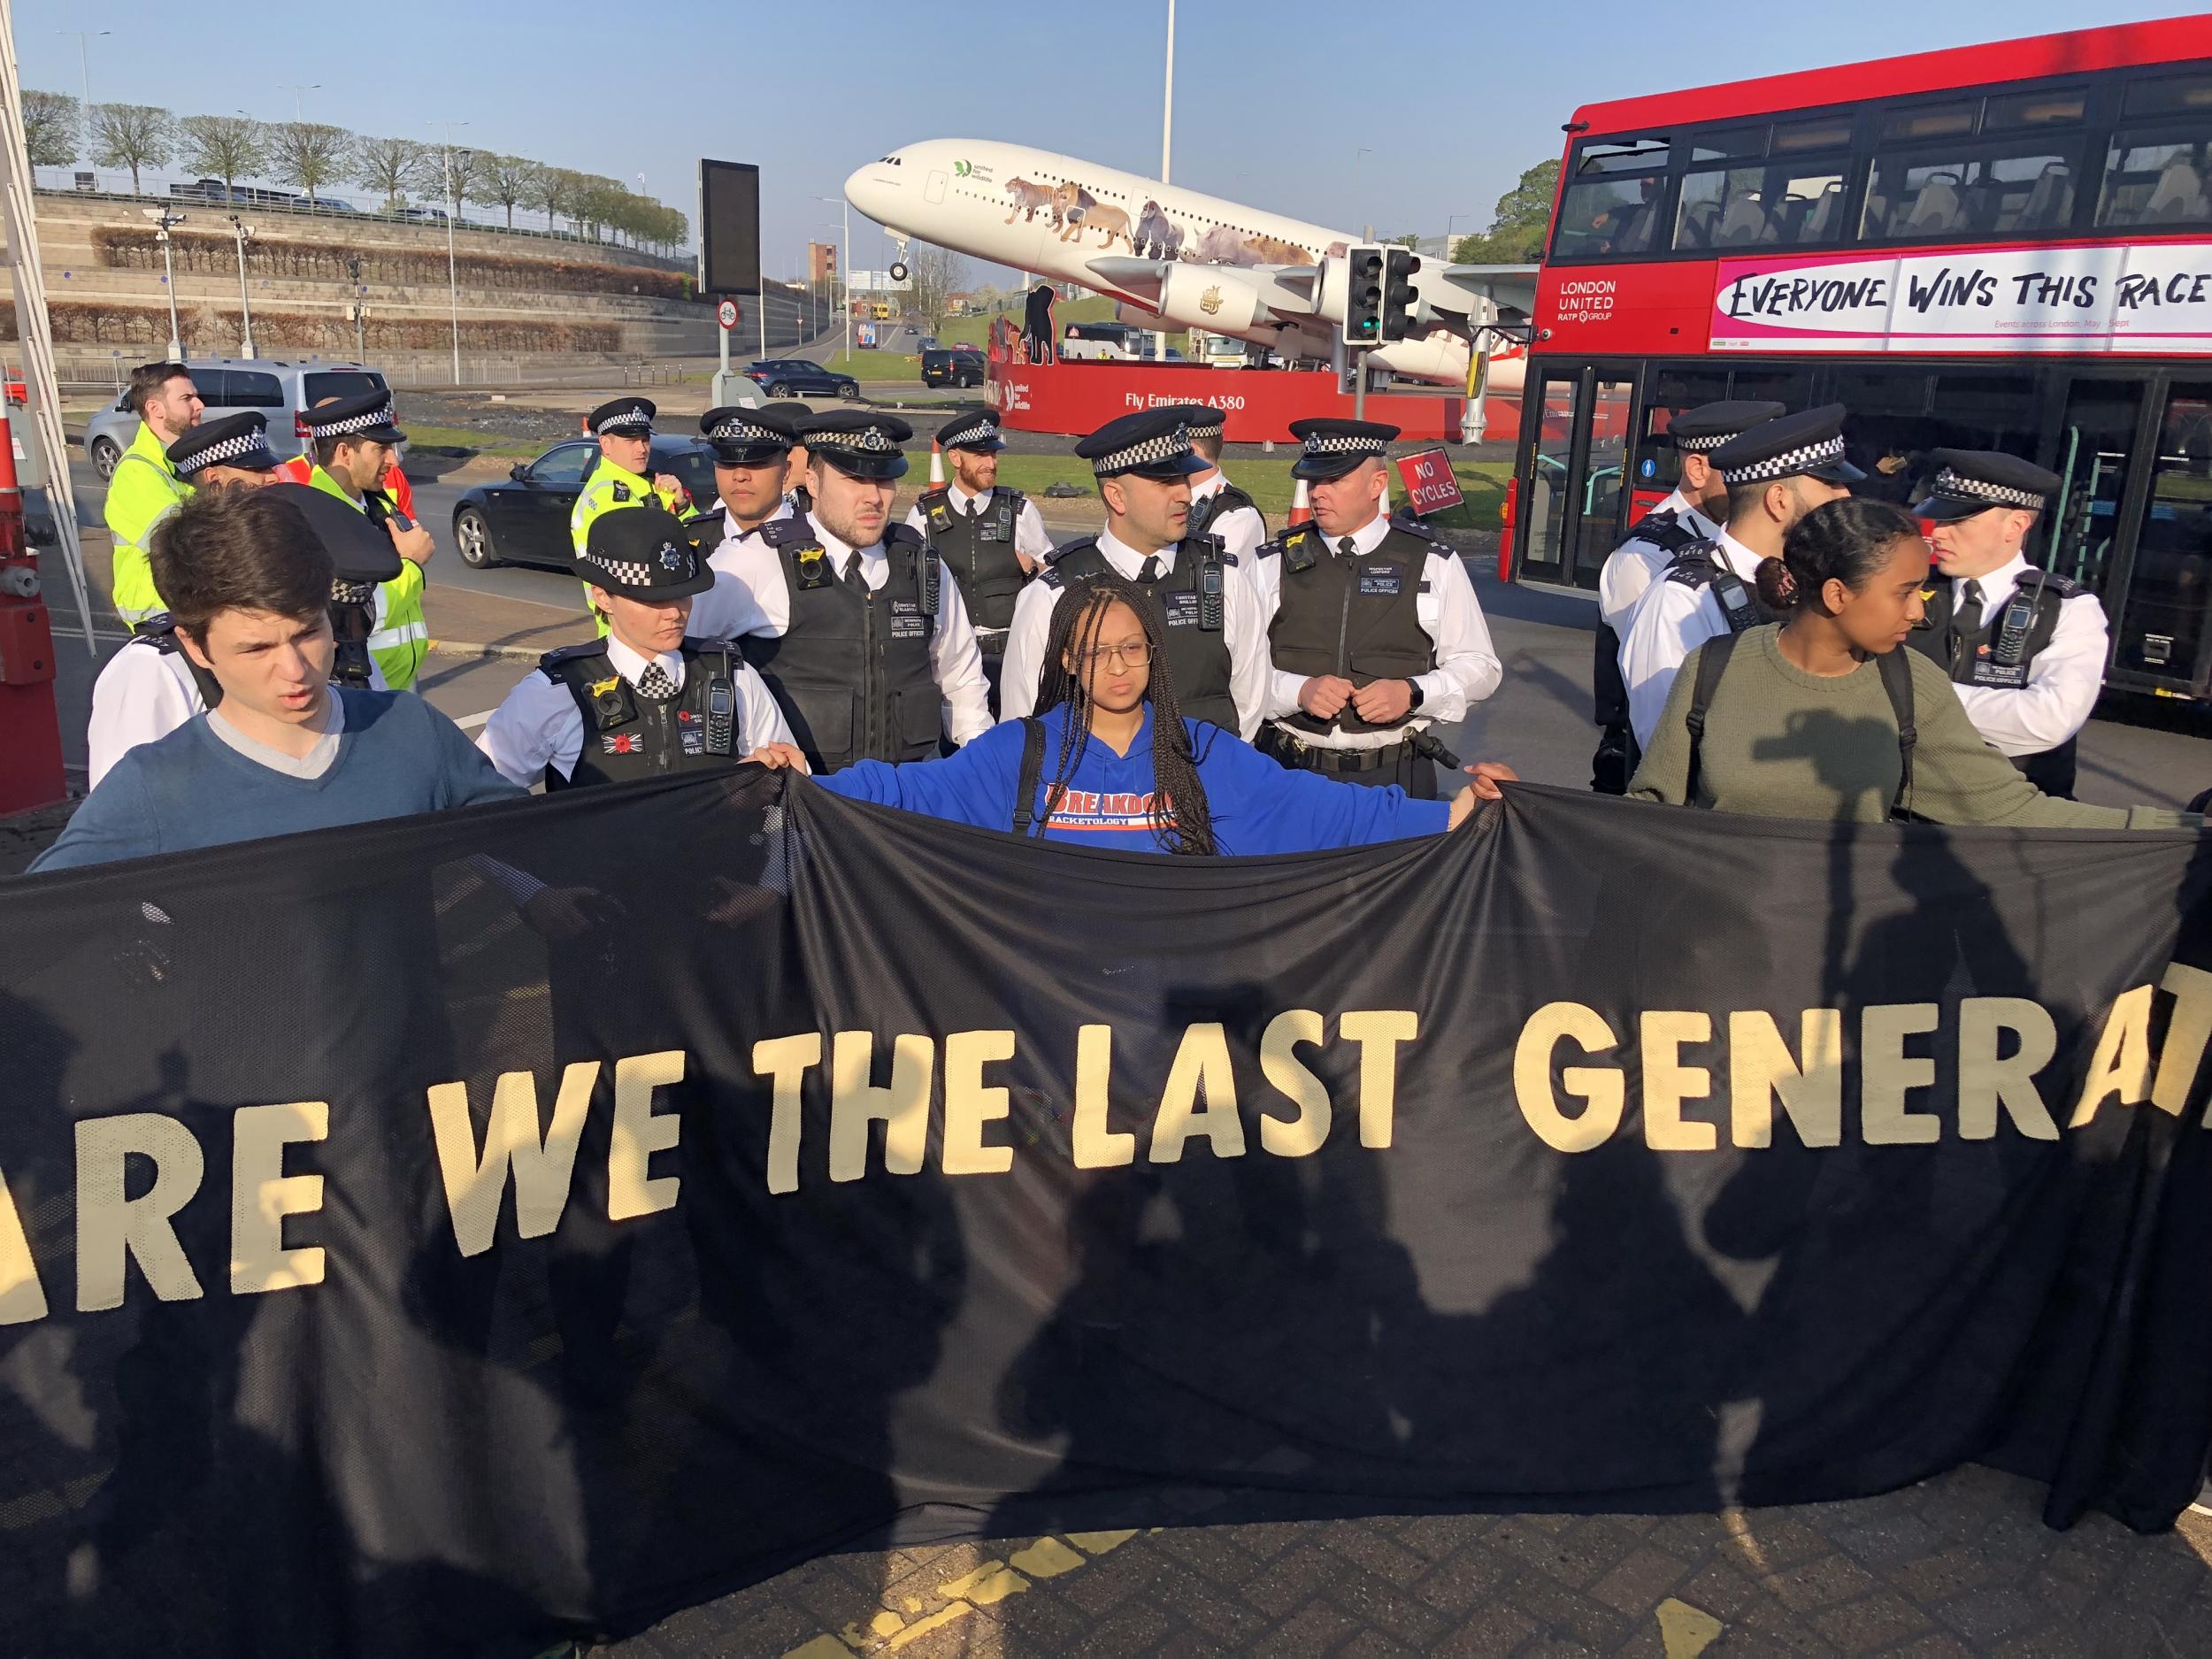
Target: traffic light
[1398,299]
[1364,295]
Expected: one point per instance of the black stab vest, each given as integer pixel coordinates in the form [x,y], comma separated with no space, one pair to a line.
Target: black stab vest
[852,671]
[629,735]
[978,548]
[1355,617]
[1197,655]
[1978,657]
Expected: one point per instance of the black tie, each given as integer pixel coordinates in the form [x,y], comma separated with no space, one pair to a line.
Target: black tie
[1346,547]
[1151,573]
[1971,605]
[655,682]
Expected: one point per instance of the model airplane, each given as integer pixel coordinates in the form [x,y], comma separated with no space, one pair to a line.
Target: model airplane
[1177,258]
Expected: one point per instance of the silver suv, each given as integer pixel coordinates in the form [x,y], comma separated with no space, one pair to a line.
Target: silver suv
[278,391]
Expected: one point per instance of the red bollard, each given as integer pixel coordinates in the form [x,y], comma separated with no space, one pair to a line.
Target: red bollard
[30,730]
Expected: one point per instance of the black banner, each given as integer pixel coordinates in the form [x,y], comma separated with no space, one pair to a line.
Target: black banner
[444,1234]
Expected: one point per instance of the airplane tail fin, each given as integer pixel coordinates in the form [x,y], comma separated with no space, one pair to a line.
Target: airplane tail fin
[936,465]
[1301,505]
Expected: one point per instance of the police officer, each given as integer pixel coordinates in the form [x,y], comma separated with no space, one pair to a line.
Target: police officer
[647,698]
[151,686]
[1217,635]
[1693,512]
[1776,473]
[1216,506]
[352,439]
[992,540]
[795,415]
[624,426]
[2025,647]
[1373,629]
[144,488]
[858,629]
[752,451]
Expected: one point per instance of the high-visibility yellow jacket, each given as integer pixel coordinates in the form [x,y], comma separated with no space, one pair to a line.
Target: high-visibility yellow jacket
[145,491]
[610,487]
[399,636]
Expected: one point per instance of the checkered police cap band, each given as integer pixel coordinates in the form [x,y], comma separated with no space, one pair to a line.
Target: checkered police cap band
[1786,465]
[1959,488]
[637,572]
[1207,427]
[1167,447]
[735,430]
[1344,443]
[1699,446]
[871,438]
[980,433]
[349,423]
[345,592]
[229,449]
[624,420]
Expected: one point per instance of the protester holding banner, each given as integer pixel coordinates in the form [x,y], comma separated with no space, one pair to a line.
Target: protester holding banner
[1113,781]
[248,586]
[1825,716]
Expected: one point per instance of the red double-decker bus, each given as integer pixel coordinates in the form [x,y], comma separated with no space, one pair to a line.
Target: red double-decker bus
[2004,246]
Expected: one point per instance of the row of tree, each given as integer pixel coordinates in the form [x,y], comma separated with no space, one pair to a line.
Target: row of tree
[311,157]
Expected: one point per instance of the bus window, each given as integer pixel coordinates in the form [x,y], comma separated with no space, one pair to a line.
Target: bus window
[1900,416]
[2162,623]
[2023,186]
[2093,445]
[2156,178]
[1611,204]
[1654,465]
[1781,205]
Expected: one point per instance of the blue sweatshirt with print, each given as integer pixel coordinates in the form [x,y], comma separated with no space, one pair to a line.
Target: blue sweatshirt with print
[1257,806]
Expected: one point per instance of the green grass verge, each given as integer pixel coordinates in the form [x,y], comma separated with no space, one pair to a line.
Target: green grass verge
[419,436]
[1266,479]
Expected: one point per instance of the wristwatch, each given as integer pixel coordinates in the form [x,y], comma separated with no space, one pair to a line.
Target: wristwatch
[1414,686]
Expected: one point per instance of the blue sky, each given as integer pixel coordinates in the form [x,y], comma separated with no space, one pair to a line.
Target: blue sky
[1273,103]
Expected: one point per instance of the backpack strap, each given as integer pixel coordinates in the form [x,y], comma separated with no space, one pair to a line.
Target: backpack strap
[1712,663]
[1896,670]
[1033,771]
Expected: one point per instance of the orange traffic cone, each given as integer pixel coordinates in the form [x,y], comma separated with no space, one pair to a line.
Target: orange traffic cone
[936,465]
[1301,505]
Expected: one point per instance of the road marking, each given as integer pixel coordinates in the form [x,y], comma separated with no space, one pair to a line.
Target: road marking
[470,722]
[1687,1631]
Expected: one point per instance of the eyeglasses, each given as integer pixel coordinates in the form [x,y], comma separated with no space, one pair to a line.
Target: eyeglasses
[1133,653]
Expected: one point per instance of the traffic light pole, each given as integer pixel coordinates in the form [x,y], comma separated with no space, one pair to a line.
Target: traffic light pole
[1359,383]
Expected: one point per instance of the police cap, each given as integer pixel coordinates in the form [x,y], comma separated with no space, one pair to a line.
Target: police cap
[240,440]
[857,441]
[1151,443]
[978,430]
[1333,448]
[1200,421]
[367,416]
[644,552]
[624,418]
[360,550]
[1702,430]
[1809,444]
[1969,481]
[746,437]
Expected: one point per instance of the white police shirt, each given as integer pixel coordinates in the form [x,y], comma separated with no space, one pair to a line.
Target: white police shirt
[143,694]
[1670,621]
[1241,532]
[762,609]
[1031,539]
[1632,567]
[540,726]
[728,539]
[1243,630]
[2063,680]
[1467,666]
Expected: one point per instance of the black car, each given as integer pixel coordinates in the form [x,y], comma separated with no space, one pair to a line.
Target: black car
[951,368]
[795,377]
[525,520]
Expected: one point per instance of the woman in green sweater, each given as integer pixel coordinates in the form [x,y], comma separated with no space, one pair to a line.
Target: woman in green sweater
[1804,719]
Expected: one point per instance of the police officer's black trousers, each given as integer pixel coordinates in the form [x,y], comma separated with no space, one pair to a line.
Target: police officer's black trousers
[1615,762]
[1402,764]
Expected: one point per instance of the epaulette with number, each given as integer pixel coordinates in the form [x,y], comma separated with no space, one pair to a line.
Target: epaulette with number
[1056,554]
[1413,526]
[1694,565]
[1664,530]
[551,664]
[898,532]
[791,532]
[2051,582]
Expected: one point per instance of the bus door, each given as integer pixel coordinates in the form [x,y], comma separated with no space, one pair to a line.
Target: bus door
[1570,512]
[2134,522]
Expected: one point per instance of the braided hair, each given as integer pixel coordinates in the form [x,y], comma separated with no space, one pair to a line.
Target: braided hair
[1179,818]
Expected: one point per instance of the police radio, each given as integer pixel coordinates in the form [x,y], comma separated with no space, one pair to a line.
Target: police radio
[1734,599]
[1209,586]
[2011,643]
[721,714]
[926,572]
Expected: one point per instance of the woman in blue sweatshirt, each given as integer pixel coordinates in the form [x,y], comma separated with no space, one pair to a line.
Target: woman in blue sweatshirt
[1103,775]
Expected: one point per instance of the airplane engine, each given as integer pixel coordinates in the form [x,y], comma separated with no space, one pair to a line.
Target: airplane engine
[1212,298]
[1441,356]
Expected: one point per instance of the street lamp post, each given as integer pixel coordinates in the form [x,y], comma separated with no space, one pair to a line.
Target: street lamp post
[1448,223]
[845,267]
[452,275]
[244,233]
[1167,152]
[360,316]
[84,79]
[297,92]
[163,219]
